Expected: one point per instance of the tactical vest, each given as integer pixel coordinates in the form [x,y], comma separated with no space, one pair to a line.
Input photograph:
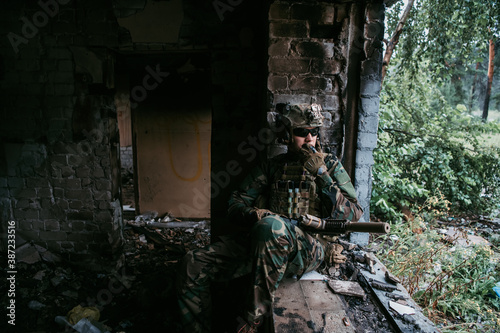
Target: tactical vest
[294,193]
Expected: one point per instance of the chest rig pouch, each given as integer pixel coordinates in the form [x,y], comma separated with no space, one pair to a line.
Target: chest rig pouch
[294,193]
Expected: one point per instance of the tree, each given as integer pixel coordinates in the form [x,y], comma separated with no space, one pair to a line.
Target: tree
[490,79]
[391,44]
[442,37]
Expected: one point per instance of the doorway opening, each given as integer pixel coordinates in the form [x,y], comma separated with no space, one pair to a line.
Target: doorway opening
[165,118]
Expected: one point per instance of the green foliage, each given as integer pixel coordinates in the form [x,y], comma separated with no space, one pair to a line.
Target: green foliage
[445,32]
[446,280]
[425,147]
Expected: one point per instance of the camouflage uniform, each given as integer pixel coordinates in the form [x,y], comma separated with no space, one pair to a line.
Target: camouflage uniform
[274,247]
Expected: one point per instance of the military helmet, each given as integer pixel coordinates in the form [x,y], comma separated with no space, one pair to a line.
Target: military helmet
[301,115]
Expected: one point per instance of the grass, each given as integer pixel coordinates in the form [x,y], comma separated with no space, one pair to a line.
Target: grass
[452,284]
[489,139]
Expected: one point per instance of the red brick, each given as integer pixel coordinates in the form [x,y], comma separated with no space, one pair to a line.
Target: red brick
[325,66]
[279,11]
[309,49]
[312,13]
[325,31]
[308,83]
[297,29]
[275,82]
[53,235]
[289,65]
[279,48]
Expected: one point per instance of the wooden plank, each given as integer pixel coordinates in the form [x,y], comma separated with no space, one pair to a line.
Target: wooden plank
[290,311]
[308,306]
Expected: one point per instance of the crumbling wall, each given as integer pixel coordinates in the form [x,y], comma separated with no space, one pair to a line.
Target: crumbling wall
[59,144]
[307,60]
[331,53]
[58,141]
[368,104]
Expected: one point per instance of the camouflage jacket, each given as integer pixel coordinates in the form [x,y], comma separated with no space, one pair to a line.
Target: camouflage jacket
[334,188]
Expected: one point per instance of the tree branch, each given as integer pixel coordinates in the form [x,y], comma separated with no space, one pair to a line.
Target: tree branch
[391,45]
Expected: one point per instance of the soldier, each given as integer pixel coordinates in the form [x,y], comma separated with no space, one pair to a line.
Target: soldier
[302,181]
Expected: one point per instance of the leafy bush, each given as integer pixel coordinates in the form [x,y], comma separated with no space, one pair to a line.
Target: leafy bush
[426,147]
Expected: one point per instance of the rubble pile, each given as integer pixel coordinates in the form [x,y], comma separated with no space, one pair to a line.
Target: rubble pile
[343,265]
[136,294]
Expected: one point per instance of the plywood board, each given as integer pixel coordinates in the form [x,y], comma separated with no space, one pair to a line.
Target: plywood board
[173,161]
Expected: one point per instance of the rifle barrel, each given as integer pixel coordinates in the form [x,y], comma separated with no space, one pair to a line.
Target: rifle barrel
[371,227]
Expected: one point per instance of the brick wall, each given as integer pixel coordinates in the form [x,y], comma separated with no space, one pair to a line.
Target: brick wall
[307,60]
[59,150]
[58,136]
[368,105]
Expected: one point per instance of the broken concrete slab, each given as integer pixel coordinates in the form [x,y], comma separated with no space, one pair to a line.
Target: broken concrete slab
[313,276]
[27,253]
[349,288]
[401,309]
[463,239]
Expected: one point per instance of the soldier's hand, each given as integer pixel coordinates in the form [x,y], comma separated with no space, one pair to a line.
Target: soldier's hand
[313,160]
[261,213]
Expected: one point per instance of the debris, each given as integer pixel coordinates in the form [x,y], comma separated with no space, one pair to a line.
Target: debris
[35,305]
[349,288]
[79,312]
[27,253]
[31,253]
[370,262]
[142,239]
[313,276]
[146,216]
[382,286]
[496,289]
[56,280]
[394,296]
[348,246]
[354,276]
[333,272]
[359,258]
[182,224]
[47,255]
[389,277]
[39,275]
[401,309]
[463,239]
[168,218]
[70,294]
[84,325]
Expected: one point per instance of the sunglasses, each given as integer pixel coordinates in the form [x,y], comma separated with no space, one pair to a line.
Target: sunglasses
[303,132]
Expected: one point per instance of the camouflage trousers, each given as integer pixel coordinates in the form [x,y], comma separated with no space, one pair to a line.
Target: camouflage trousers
[274,249]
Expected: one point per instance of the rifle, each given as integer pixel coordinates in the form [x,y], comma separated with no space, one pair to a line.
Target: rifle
[329,226]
